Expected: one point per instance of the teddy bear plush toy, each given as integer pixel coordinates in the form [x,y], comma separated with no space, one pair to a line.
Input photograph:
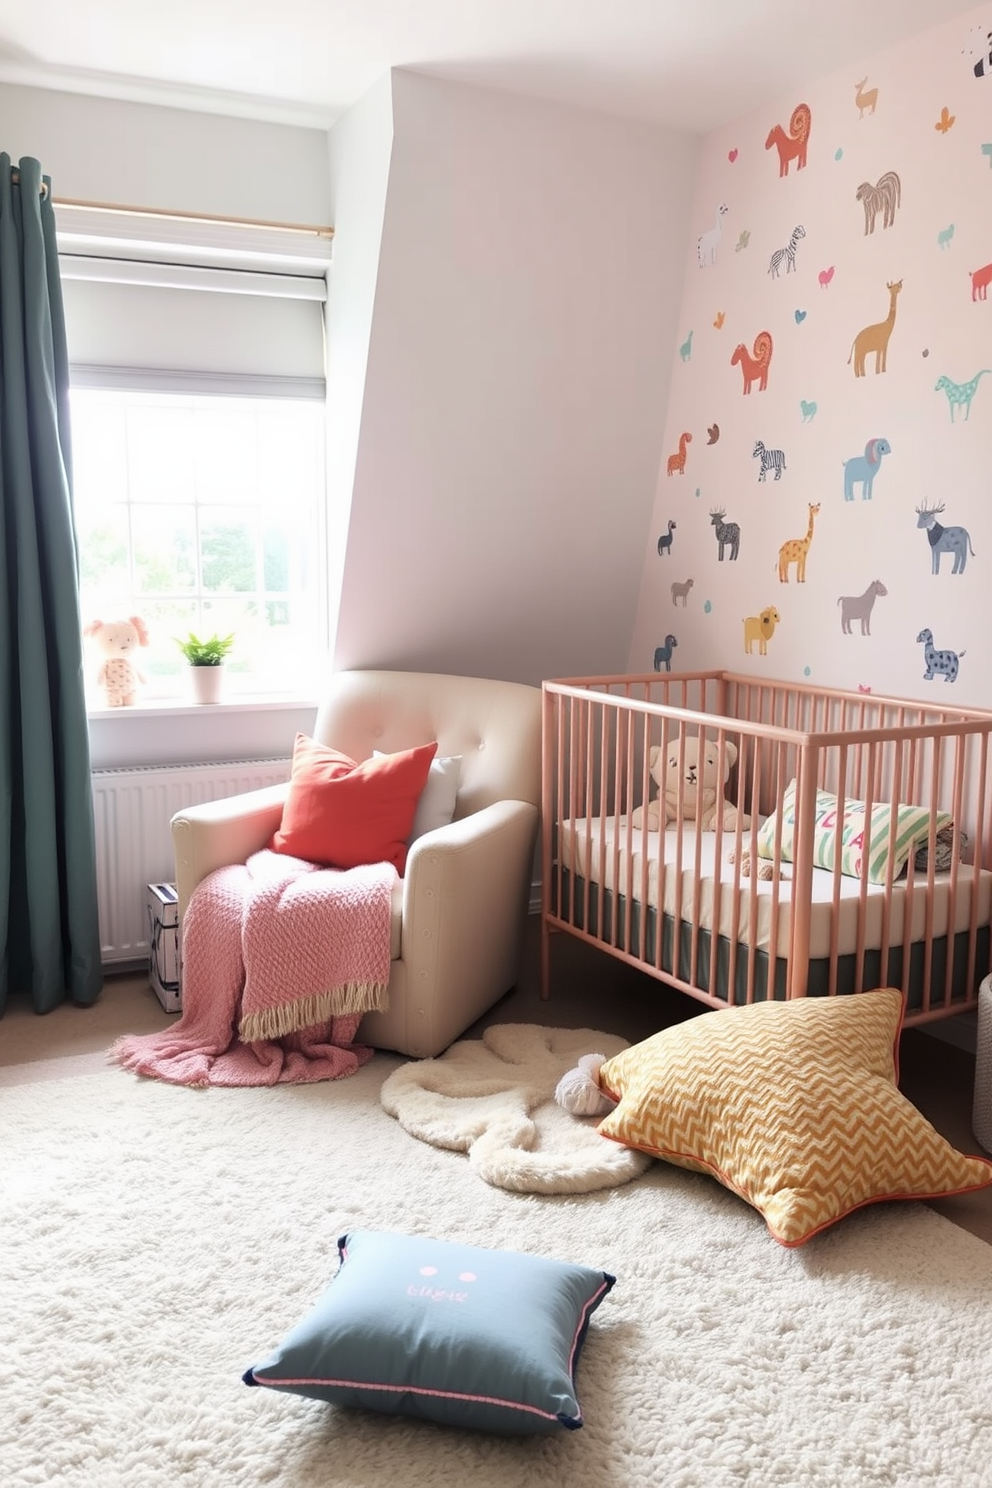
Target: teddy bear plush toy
[695,784]
[115,642]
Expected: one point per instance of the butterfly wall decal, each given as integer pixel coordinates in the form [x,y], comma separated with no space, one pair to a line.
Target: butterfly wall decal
[945,121]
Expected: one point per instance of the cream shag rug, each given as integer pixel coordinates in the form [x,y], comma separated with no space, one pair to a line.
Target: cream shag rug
[155,1240]
[494,1098]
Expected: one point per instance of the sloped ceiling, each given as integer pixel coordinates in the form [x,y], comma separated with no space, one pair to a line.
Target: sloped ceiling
[690,64]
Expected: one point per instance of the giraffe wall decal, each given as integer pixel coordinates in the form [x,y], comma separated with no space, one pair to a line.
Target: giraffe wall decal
[875,338]
[795,550]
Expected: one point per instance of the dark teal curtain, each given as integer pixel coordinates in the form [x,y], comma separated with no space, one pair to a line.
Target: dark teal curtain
[49,929]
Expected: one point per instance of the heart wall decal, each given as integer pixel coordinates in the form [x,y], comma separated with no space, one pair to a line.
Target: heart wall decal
[800,316]
[732,155]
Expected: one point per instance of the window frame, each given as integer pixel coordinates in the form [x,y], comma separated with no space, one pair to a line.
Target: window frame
[217,256]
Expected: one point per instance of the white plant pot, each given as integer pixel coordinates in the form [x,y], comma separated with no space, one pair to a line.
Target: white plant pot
[207,683]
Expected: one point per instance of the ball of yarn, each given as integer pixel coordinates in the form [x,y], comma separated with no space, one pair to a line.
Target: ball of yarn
[578,1089]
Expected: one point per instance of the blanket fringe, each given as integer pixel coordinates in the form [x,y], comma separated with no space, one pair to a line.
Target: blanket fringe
[307,1012]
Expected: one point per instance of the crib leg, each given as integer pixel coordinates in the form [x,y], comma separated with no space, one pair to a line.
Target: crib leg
[545,960]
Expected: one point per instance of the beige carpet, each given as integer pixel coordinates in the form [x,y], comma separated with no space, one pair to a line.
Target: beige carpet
[155,1240]
[494,1098]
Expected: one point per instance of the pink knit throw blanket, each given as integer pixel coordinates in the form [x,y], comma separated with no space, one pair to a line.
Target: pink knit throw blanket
[280,961]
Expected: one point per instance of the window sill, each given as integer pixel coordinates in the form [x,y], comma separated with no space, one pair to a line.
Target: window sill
[170,731]
[177,708]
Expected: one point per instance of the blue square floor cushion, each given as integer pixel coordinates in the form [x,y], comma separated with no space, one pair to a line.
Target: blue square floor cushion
[488,1339]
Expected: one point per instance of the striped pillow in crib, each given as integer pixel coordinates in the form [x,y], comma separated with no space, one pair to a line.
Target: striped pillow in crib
[859,836]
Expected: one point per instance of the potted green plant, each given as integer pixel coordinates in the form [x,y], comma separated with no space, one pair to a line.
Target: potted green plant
[206,662]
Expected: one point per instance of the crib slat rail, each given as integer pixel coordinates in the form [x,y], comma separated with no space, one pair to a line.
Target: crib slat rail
[857,855]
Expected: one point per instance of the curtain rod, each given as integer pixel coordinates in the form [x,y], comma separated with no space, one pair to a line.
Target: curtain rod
[174,216]
[311,229]
[15,178]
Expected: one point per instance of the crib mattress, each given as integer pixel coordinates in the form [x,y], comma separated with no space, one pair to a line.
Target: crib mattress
[611,854]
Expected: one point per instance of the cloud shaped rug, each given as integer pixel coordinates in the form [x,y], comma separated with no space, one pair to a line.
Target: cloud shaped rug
[494,1099]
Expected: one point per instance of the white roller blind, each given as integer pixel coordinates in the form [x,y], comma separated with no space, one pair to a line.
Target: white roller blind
[224,336]
[192,305]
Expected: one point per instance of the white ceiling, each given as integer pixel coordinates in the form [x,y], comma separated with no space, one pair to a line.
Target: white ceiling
[691,64]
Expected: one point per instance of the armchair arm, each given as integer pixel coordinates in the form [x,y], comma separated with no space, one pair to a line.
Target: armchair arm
[219,833]
[465,895]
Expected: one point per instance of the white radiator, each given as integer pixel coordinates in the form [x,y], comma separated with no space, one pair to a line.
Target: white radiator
[132,811]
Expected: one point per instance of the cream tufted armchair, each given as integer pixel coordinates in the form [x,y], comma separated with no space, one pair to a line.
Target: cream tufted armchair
[459,911]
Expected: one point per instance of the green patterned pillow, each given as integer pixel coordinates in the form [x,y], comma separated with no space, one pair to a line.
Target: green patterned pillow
[912,830]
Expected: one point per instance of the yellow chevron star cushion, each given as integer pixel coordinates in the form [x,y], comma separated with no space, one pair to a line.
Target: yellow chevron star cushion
[792,1105]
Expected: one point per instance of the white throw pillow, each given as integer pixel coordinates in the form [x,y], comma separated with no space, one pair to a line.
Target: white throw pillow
[436,806]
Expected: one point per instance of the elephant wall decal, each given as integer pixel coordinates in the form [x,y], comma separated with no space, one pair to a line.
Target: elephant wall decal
[862,469]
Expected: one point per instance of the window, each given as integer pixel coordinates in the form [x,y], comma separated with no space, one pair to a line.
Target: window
[202,513]
[198,439]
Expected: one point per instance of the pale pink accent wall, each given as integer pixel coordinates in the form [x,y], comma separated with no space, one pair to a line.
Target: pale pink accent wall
[940,330]
[525,304]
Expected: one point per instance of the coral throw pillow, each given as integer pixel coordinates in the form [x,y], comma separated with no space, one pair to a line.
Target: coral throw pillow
[793,1105]
[341,813]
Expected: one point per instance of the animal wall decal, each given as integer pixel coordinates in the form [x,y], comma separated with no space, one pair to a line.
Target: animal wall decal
[865,100]
[980,281]
[771,459]
[808,411]
[959,393]
[825,276]
[786,255]
[676,462]
[754,366]
[728,534]
[862,469]
[944,239]
[760,628]
[685,350]
[859,607]
[712,433]
[709,241]
[953,540]
[885,196]
[681,592]
[978,49]
[791,146]
[796,549]
[663,654]
[945,663]
[875,338]
[665,540]
[742,241]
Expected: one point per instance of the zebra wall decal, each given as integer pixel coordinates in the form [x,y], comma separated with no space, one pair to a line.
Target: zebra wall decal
[771,459]
[978,50]
[786,255]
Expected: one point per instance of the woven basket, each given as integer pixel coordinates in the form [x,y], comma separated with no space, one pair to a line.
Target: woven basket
[981,1116]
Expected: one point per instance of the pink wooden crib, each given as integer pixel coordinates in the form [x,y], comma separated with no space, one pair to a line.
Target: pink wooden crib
[875,894]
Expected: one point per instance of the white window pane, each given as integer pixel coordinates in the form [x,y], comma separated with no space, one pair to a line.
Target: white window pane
[99,455]
[160,453]
[164,539]
[224,451]
[104,553]
[228,551]
[203,513]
